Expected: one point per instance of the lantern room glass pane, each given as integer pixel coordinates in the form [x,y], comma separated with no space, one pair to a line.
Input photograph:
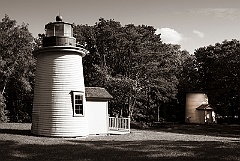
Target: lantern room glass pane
[67,30]
[59,30]
[50,31]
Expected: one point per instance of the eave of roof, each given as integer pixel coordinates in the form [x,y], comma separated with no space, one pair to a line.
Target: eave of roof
[97,93]
[204,107]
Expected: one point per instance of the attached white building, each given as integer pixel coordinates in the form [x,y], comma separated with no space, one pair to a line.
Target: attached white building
[97,110]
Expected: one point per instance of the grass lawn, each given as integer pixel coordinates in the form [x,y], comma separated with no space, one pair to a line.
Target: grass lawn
[180,142]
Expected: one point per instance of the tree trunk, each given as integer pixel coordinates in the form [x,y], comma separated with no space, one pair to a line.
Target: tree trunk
[165,111]
[4,87]
[131,104]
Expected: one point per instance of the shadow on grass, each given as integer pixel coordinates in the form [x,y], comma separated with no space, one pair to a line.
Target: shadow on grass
[15,132]
[76,150]
[211,130]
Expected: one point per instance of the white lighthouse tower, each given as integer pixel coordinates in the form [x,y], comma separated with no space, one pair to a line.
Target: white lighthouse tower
[59,93]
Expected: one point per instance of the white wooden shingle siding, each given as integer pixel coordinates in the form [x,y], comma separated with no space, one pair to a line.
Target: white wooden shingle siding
[59,71]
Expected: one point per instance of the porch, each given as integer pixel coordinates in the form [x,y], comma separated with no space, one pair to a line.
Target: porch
[119,125]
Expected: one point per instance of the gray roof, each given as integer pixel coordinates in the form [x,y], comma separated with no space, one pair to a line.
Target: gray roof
[97,93]
[204,107]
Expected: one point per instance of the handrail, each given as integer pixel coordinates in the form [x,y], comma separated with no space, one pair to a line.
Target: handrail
[116,123]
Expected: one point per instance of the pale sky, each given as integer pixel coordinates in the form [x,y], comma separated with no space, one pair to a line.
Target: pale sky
[190,23]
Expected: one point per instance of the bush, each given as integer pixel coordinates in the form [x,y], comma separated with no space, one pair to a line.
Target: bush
[3,112]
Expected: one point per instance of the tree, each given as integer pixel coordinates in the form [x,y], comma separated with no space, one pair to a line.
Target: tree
[16,67]
[218,68]
[189,81]
[160,73]
[3,114]
[133,64]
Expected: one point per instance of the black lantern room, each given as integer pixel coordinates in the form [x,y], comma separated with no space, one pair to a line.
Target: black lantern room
[59,34]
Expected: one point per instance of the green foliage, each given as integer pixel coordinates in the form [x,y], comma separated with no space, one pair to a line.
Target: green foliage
[143,74]
[16,68]
[133,64]
[3,113]
[217,72]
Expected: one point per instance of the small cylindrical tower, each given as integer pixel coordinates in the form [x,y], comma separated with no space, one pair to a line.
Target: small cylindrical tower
[59,93]
[193,101]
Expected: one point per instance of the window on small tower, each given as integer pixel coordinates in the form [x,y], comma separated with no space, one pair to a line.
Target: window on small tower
[77,104]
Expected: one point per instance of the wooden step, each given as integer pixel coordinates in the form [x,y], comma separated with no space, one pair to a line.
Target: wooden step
[118,132]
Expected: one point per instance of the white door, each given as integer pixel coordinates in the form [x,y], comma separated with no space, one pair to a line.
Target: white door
[97,117]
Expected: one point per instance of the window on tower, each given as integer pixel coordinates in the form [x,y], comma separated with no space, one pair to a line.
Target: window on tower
[77,101]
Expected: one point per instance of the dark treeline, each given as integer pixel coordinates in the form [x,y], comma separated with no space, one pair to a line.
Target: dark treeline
[147,78]
[133,64]
[17,67]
